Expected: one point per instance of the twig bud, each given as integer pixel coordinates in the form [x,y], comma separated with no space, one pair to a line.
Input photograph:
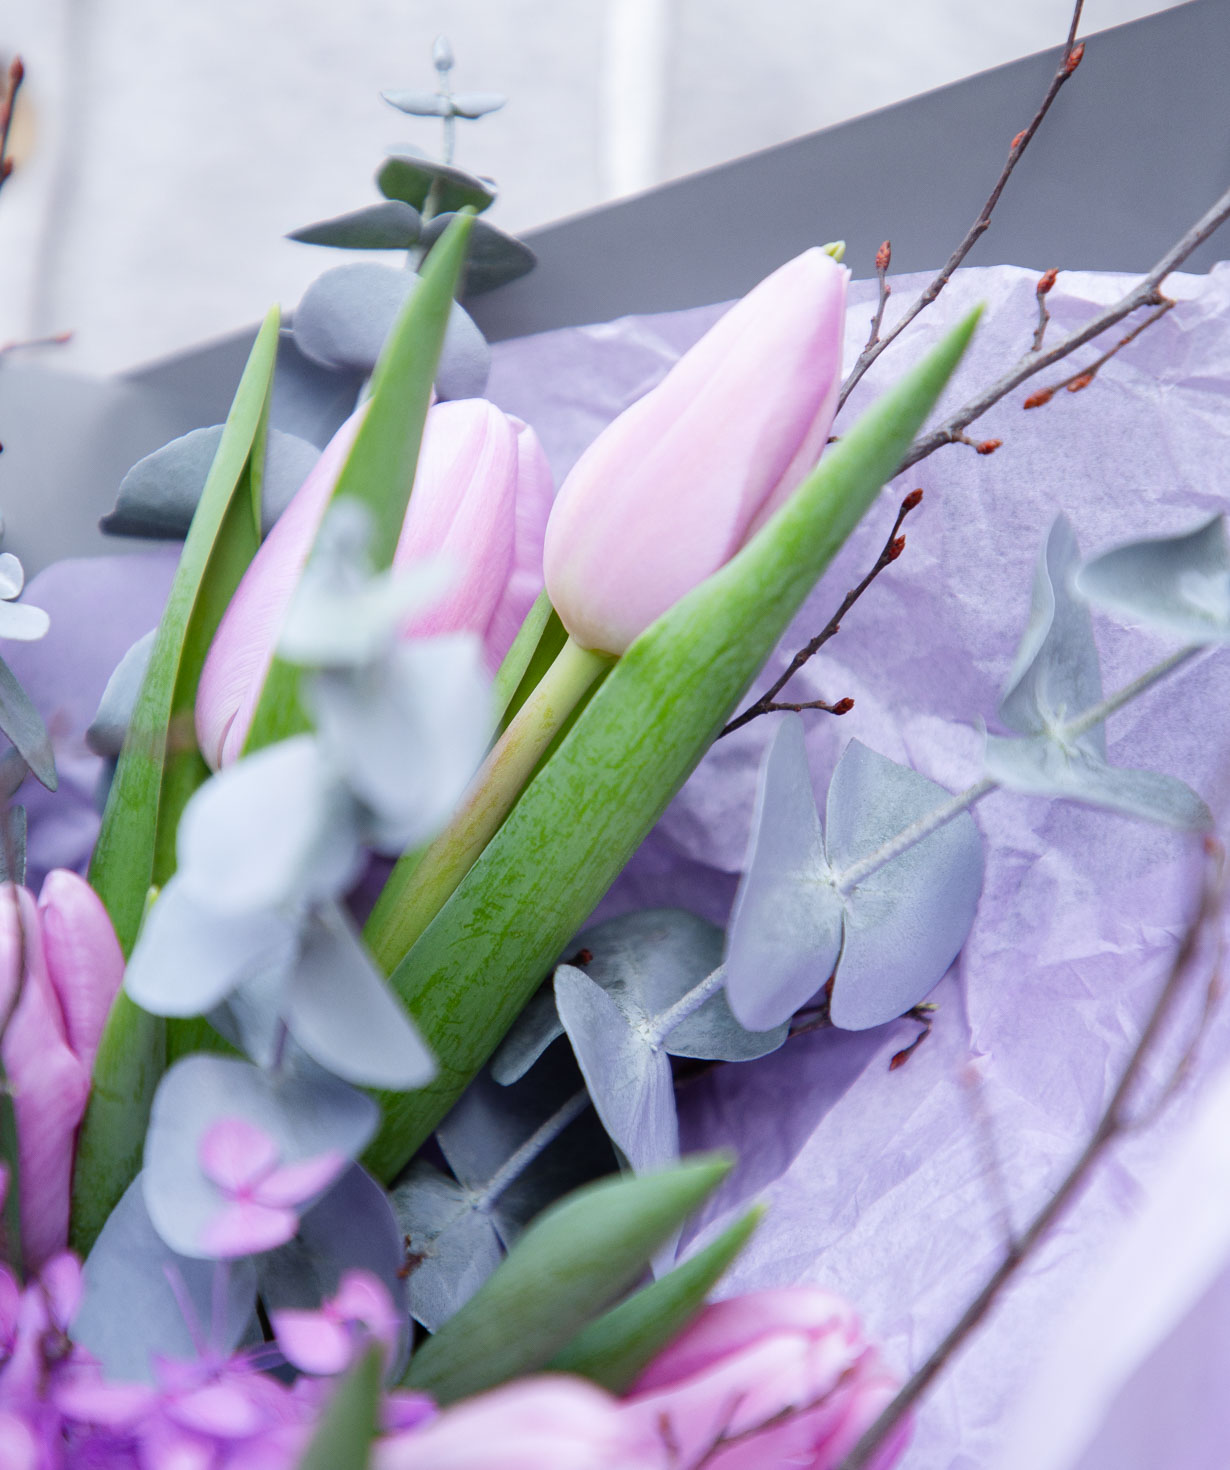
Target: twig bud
[987,446]
[1036,400]
[1046,280]
[913,500]
[1016,142]
[884,256]
[1074,60]
[842,707]
[17,72]
[1082,380]
[895,547]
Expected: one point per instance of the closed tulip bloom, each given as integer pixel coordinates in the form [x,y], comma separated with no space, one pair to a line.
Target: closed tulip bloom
[671,490]
[544,1423]
[60,969]
[747,1362]
[481,497]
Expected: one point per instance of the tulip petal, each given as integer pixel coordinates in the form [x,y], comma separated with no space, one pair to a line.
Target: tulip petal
[84,961]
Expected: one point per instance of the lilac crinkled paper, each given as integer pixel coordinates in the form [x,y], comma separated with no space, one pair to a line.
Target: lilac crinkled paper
[901,1189]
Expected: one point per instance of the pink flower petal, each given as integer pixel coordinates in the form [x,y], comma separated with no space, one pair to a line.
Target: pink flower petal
[535,496]
[291,1184]
[235,1154]
[63,1284]
[222,1409]
[362,1297]
[313,1341]
[245,1229]
[84,959]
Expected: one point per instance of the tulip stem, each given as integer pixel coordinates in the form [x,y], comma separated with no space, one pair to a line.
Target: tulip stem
[423,881]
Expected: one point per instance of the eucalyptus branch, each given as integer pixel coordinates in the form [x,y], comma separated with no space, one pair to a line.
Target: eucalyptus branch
[522,1157]
[1114,1121]
[891,550]
[1069,60]
[1145,293]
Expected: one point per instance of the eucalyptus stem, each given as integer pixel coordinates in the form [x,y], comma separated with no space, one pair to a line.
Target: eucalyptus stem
[687,1005]
[422,883]
[1083,723]
[849,878]
[522,1157]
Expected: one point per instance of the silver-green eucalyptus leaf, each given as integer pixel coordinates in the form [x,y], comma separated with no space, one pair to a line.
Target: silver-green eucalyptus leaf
[24,726]
[452,1244]
[390,225]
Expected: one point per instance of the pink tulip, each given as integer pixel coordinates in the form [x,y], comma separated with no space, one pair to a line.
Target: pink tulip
[480,499]
[533,1424]
[681,480]
[65,952]
[748,1362]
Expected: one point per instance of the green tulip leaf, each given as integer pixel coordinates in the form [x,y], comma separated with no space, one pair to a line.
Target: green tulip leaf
[379,470]
[614,1350]
[343,1438]
[570,1265]
[635,743]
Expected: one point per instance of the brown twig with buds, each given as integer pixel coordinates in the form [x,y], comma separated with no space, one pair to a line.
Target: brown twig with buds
[892,549]
[1042,290]
[1115,1121]
[8,101]
[1086,375]
[1069,60]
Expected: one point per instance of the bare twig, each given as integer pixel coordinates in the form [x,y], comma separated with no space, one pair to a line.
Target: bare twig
[8,101]
[1069,60]
[924,1014]
[1145,293]
[884,256]
[1042,290]
[892,549]
[1086,375]
[56,339]
[1115,1120]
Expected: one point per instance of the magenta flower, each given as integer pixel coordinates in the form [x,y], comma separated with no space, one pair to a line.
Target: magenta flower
[60,967]
[259,1194]
[681,480]
[480,500]
[541,1423]
[747,1362]
[328,1341]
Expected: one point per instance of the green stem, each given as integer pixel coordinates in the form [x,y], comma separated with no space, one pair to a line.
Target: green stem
[422,883]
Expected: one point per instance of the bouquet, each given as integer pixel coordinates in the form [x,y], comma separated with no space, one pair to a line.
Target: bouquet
[463,958]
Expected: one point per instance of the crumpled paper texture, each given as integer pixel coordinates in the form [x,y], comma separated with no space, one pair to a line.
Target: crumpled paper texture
[900,1189]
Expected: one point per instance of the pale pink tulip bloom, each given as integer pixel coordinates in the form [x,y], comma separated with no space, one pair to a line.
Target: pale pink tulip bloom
[60,969]
[747,1362]
[481,497]
[671,490]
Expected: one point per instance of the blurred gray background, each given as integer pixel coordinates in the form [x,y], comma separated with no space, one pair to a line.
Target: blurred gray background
[166,146]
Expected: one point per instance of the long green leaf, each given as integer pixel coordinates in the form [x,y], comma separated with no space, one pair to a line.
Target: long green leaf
[159,768]
[583,816]
[570,1265]
[343,1438]
[614,1350]
[379,470]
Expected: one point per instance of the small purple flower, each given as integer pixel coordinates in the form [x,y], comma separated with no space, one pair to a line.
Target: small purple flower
[259,1214]
[327,1341]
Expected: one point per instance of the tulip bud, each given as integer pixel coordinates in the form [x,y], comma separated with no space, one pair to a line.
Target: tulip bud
[748,1362]
[671,490]
[481,496]
[60,969]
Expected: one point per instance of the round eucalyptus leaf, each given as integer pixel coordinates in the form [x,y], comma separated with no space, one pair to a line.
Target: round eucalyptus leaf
[1176,585]
[409,177]
[391,225]
[477,104]
[305,1114]
[530,1035]
[419,104]
[784,934]
[493,258]
[345,316]
[453,1246]
[109,726]
[906,922]
[12,576]
[137,1290]
[339,1008]
[1055,674]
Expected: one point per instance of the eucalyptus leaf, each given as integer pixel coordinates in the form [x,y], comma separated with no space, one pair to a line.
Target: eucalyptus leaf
[159,495]
[905,923]
[419,104]
[345,316]
[1040,765]
[784,935]
[390,225]
[569,1266]
[628,1078]
[344,1433]
[411,178]
[13,845]
[616,1348]
[452,1244]
[1176,585]
[351,1228]
[137,1290]
[109,727]
[631,748]
[12,576]
[477,104]
[341,1011]
[24,726]
[494,258]
[305,1115]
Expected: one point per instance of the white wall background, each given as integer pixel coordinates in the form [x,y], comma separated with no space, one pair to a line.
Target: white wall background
[167,145]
